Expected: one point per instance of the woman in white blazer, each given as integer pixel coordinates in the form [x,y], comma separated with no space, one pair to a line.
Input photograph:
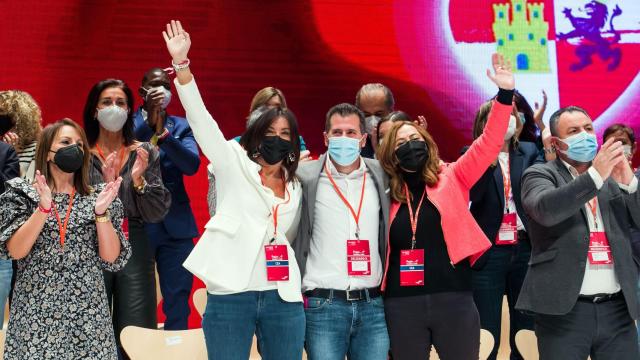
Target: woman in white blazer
[244,256]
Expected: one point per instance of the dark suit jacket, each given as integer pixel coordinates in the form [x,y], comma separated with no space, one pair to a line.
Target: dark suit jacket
[9,164]
[559,233]
[309,173]
[487,195]
[179,156]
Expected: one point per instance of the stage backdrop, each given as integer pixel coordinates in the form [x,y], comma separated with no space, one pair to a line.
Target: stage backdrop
[431,53]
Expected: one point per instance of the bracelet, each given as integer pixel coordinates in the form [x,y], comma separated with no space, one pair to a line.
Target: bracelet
[140,188]
[549,150]
[184,64]
[103,218]
[43,210]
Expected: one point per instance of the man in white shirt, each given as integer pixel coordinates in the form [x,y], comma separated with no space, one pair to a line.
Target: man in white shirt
[582,278]
[341,244]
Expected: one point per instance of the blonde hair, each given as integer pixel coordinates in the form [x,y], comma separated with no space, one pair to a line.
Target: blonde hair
[263,96]
[24,113]
[482,116]
[387,156]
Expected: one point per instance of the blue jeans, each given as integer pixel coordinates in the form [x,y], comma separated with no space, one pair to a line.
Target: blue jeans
[6,271]
[337,328]
[503,274]
[230,321]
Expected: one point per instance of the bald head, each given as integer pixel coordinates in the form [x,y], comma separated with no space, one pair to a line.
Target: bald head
[375,99]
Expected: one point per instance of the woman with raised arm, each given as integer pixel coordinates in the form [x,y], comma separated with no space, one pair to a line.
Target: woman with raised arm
[244,256]
[433,238]
[64,233]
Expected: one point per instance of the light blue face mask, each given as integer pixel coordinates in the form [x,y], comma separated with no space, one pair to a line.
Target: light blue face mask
[344,150]
[583,147]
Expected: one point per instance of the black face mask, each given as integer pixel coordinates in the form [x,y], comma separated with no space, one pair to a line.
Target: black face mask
[69,158]
[274,149]
[412,155]
[5,124]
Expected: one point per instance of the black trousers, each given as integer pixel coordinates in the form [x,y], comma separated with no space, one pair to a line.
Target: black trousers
[448,321]
[132,290]
[604,331]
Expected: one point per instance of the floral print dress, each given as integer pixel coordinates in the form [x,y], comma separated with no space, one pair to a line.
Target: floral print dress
[59,308]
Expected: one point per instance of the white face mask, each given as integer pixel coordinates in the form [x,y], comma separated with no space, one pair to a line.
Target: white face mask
[371,123]
[511,129]
[112,118]
[167,95]
[627,151]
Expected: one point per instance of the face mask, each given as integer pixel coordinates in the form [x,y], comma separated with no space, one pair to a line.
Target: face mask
[274,149]
[412,155]
[69,158]
[582,147]
[167,95]
[511,129]
[627,151]
[371,123]
[344,150]
[112,118]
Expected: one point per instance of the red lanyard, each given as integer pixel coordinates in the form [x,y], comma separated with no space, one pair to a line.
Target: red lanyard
[274,209]
[356,216]
[413,219]
[506,181]
[104,158]
[593,205]
[63,226]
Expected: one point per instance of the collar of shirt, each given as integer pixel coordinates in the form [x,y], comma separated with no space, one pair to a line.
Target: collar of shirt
[144,114]
[357,173]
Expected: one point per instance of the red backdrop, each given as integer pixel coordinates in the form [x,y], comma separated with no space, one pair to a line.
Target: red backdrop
[318,52]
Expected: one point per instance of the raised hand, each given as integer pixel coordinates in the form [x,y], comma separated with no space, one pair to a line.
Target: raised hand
[154,107]
[110,166]
[11,138]
[539,111]
[502,76]
[422,122]
[178,41]
[43,190]
[106,197]
[608,157]
[622,173]
[140,165]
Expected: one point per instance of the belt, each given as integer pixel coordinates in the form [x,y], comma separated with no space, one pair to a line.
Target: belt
[599,298]
[348,295]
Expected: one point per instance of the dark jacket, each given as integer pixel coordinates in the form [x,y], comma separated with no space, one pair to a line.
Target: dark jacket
[9,164]
[179,156]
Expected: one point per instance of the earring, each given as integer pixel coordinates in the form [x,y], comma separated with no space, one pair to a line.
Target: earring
[292,157]
[255,154]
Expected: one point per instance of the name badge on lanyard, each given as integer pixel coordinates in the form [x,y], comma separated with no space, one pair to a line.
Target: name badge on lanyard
[412,267]
[599,249]
[277,256]
[412,261]
[508,232]
[277,262]
[358,252]
[358,258]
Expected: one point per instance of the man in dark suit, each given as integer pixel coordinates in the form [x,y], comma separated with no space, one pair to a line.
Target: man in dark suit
[172,239]
[582,278]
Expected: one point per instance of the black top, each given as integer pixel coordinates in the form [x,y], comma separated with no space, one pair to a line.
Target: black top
[439,274]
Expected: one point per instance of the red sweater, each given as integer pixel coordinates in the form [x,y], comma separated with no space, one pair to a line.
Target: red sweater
[450,195]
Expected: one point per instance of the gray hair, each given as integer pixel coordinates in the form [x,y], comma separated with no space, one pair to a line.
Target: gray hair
[389,101]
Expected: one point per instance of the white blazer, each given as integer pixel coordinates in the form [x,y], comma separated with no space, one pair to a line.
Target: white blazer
[225,255]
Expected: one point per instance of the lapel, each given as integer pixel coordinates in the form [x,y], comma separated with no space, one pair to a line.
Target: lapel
[515,169]
[497,177]
[311,188]
[566,175]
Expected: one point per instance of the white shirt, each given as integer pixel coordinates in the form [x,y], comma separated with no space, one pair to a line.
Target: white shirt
[333,225]
[599,279]
[505,167]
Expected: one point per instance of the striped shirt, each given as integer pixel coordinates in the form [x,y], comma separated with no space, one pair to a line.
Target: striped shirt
[27,159]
